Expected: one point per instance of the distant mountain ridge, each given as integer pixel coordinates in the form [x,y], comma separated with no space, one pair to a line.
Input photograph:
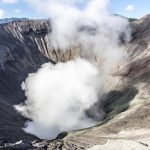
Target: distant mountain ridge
[7,20]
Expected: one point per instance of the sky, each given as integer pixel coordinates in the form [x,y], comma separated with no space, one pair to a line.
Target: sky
[127,8]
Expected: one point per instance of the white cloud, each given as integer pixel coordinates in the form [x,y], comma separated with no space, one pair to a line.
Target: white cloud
[17,11]
[8,1]
[1,13]
[130,8]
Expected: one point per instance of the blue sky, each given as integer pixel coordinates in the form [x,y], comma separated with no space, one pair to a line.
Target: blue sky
[139,9]
[127,8]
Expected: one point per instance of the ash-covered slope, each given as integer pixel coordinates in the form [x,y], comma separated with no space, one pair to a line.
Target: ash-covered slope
[127,111]
[24,46]
[19,55]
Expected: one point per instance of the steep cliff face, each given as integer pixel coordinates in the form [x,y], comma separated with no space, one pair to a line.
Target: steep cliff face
[25,46]
[19,55]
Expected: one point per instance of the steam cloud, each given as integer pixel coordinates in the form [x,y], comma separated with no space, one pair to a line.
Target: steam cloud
[58,95]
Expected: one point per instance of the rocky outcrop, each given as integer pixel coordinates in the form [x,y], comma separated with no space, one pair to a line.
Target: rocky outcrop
[24,46]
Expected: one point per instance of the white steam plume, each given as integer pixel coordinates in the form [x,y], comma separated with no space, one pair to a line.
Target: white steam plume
[57,96]
[91,28]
